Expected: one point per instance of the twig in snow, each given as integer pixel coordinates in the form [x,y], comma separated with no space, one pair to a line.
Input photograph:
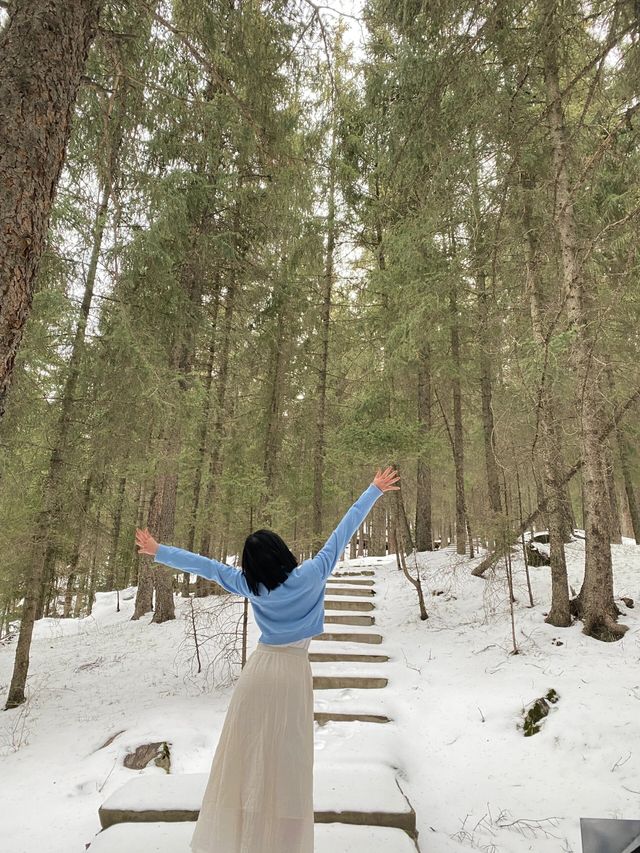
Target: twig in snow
[107,776]
[619,763]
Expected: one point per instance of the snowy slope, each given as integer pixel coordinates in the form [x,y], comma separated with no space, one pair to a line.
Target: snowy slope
[455,693]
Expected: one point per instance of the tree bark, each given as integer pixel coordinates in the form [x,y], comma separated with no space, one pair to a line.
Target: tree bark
[112,580]
[218,431]
[560,611]
[203,432]
[614,507]
[44,48]
[321,390]
[75,557]
[274,405]
[488,428]
[596,601]
[424,529]
[458,432]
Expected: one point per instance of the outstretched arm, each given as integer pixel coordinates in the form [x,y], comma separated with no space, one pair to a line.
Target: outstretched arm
[326,559]
[178,558]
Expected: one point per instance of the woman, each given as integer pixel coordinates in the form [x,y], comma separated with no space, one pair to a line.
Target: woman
[259,796]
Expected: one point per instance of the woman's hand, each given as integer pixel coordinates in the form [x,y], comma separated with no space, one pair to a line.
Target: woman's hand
[145,542]
[385,479]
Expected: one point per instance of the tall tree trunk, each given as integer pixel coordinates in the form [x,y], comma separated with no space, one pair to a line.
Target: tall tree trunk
[458,432]
[488,429]
[163,505]
[614,508]
[552,463]
[377,545]
[44,49]
[218,431]
[321,390]
[424,531]
[50,513]
[112,580]
[274,417]
[632,503]
[596,602]
[203,433]
[75,557]
[39,575]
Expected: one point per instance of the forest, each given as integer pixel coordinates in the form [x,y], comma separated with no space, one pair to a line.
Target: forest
[250,251]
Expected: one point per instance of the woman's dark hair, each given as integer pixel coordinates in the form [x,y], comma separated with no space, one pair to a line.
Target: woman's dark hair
[266,559]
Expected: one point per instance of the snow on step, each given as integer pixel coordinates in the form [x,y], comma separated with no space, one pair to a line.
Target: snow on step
[350,669]
[349,647]
[366,787]
[348,598]
[351,700]
[343,838]
[352,629]
[177,798]
[175,838]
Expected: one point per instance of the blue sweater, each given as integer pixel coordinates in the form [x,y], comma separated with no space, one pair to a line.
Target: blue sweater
[295,609]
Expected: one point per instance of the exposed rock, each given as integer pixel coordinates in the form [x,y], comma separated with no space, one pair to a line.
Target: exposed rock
[145,753]
[537,712]
[628,601]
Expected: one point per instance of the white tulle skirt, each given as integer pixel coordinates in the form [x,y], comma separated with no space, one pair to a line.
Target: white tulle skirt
[259,797]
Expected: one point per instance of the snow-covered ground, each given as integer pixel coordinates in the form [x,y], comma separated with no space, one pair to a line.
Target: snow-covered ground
[455,692]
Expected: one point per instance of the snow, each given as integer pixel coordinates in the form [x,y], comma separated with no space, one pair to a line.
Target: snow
[174,838]
[334,790]
[455,697]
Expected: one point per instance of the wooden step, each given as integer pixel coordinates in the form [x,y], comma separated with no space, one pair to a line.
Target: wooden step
[375,639]
[319,657]
[363,592]
[322,717]
[337,682]
[338,798]
[338,604]
[350,620]
[175,838]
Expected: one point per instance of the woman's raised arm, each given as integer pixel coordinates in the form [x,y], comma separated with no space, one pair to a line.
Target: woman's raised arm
[327,557]
[178,558]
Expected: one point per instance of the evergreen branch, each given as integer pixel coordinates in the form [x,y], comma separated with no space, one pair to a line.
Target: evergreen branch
[213,70]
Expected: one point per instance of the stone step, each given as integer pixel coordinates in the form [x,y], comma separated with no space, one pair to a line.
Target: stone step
[353,582]
[322,717]
[320,657]
[349,638]
[347,604]
[175,838]
[353,592]
[337,682]
[337,798]
[349,620]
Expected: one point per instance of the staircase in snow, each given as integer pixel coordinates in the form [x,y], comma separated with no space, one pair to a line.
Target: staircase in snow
[155,814]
